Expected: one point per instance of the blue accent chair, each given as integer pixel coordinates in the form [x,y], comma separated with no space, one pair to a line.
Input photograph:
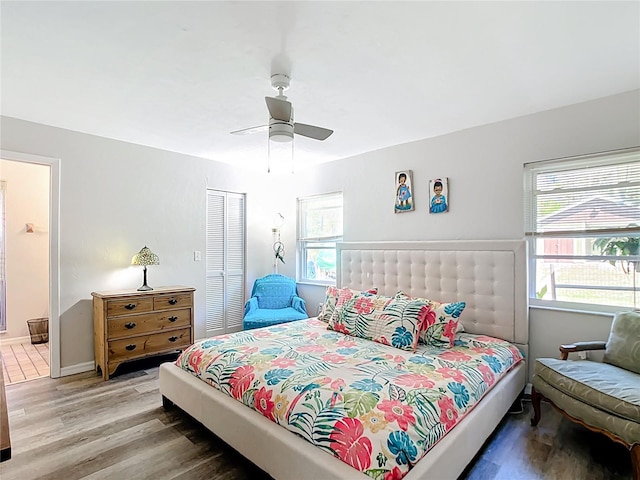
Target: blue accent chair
[274,299]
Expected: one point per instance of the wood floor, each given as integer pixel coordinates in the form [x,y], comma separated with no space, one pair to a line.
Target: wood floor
[80,427]
[24,361]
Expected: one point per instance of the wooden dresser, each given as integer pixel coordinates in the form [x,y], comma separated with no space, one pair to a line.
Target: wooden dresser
[129,325]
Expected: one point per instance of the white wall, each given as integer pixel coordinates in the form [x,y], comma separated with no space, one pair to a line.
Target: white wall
[485,170]
[116,197]
[27,254]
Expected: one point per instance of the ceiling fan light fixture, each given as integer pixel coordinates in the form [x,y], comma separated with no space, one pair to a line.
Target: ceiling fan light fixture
[280,132]
[280,153]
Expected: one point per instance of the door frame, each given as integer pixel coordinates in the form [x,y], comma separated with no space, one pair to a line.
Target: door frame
[54,249]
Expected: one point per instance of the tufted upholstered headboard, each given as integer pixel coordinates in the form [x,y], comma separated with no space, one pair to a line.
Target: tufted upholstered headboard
[490,276]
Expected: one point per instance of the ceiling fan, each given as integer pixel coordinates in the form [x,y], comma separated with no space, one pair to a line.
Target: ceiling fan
[281,125]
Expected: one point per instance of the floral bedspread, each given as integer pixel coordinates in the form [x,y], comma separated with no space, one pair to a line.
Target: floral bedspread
[375,407]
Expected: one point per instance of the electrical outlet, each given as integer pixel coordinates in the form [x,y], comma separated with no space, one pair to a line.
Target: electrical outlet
[197,256]
[582,355]
[319,309]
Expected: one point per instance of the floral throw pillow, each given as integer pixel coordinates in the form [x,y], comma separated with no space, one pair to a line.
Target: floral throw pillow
[440,328]
[442,322]
[392,321]
[331,299]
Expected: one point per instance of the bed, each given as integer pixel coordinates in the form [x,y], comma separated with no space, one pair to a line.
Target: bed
[490,276]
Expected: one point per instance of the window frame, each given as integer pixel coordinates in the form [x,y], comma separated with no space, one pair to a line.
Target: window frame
[533,233]
[303,243]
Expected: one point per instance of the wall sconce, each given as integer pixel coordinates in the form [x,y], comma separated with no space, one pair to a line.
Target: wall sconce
[278,246]
[278,221]
[145,257]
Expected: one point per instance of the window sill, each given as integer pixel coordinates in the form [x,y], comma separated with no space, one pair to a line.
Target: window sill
[598,310]
[315,284]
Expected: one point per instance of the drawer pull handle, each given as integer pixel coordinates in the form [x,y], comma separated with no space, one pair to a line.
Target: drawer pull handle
[130,325]
[130,306]
[173,301]
[173,318]
[173,339]
[130,347]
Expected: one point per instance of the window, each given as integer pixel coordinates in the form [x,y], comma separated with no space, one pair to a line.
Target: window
[582,222]
[319,229]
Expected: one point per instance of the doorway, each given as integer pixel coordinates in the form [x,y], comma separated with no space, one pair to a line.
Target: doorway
[30,342]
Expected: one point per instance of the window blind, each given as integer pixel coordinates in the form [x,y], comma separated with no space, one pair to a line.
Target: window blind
[592,195]
[320,218]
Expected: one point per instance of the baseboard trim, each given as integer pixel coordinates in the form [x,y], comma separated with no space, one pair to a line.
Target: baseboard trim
[15,340]
[77,368]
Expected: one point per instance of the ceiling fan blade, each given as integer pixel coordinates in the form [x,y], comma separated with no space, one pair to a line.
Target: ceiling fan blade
[311,131]
[279,109]
[247,131]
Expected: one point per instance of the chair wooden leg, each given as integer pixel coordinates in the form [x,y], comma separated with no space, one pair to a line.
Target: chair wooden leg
[536,398]
[635,460]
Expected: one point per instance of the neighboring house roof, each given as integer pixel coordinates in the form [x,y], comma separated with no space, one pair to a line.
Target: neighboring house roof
[600,210]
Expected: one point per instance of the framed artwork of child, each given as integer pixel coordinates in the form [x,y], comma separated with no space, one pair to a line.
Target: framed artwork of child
[439,194]
[404,191]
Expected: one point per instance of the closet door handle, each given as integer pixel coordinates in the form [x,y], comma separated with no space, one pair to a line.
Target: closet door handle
[173,301]
[173,339]
[173,318]
[130,347]
[130,306]
[130,325]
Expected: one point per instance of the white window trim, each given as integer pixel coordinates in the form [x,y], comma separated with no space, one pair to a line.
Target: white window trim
[300,241]
[531,169]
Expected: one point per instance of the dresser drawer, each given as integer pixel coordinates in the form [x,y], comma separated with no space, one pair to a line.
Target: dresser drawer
[147,344]
[129,305]
[161,302]
[147,323]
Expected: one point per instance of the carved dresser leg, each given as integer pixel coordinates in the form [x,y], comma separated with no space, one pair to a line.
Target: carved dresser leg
[536,398]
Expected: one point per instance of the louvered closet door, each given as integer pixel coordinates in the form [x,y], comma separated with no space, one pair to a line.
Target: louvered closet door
[234,268]
[225,261]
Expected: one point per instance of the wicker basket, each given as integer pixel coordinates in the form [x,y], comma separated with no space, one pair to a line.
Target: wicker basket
[39,330]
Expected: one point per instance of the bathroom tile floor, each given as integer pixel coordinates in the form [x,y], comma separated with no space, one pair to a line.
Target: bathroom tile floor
[24,361]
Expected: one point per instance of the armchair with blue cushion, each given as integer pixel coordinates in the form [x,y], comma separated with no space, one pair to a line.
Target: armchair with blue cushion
[274,299]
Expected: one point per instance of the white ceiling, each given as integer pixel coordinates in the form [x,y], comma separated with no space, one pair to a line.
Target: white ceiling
[181,75]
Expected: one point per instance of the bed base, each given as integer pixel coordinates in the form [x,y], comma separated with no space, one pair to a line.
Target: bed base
[285,456]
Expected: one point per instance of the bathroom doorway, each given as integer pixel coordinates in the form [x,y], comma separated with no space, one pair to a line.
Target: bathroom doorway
[29,263]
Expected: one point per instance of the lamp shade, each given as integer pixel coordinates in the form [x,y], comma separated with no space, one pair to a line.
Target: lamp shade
[145,257]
